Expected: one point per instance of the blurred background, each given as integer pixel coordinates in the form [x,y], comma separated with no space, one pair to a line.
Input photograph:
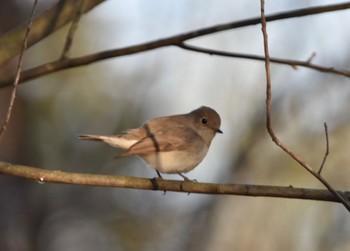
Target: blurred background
[112,95]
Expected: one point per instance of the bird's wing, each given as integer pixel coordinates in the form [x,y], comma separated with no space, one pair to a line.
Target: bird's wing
[162,141]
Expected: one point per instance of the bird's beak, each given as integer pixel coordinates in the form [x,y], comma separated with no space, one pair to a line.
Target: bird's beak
[219,131]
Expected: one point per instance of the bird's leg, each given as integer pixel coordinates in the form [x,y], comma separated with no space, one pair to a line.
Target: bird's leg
[158,173]
[185,179]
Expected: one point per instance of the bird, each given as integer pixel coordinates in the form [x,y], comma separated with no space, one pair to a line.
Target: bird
[171,144]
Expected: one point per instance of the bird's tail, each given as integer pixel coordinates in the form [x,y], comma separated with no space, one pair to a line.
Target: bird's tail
[91,137]
[112,140]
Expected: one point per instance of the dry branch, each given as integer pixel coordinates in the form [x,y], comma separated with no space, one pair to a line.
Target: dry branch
[327,149]
[290,62]
[18,72]
[66,63]
[72,29]
[43,176]
[345,201]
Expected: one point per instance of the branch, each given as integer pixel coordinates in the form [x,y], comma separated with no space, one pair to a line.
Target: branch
[53,176]
[45,24]
[292,63]
[18,73]
[66,63]
[327,149]
[275,139]
[72,30]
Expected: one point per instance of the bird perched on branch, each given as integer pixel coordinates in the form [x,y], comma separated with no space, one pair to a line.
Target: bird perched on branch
[172,144]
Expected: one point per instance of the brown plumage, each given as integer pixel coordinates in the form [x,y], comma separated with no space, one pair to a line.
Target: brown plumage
[172,144]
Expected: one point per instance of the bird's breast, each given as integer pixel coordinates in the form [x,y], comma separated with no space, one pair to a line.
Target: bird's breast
[176,161]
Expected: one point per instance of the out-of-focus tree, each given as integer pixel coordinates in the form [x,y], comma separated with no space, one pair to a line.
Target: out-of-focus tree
[112,95]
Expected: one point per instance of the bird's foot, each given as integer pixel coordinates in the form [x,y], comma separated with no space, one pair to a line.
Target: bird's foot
[186,178]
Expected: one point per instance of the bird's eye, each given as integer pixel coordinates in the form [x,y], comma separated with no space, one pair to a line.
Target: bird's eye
[204,121]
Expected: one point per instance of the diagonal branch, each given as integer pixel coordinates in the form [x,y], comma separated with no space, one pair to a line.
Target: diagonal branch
[292,63]
[345,201]
[43,176]
[72,29]
[45,24]
[63,64]
[18,73]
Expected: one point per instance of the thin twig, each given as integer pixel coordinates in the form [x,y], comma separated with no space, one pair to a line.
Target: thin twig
[327,149]
[18,73]
[345,201]
[72,30]
[312,56]
[292,63]
[59,65]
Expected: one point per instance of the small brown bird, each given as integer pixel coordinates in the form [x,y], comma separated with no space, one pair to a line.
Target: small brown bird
[171,144]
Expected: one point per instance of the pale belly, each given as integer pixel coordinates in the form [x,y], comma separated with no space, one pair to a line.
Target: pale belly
[175,161]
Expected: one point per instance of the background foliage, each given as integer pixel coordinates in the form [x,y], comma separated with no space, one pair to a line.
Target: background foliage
[121,93]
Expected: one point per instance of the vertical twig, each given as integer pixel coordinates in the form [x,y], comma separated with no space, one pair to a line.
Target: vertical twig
[72,30]
[273,136]
[327,149]
[18,73]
